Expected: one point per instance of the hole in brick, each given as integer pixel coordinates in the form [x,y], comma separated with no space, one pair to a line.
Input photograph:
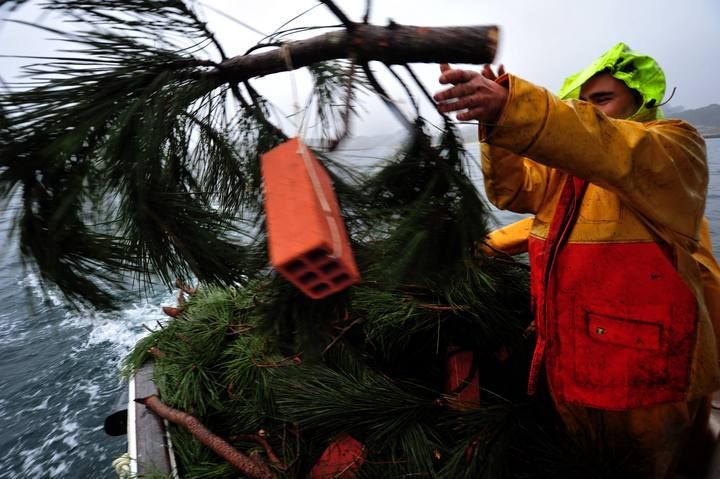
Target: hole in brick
[308,277]
[294,266]
[341,278]
[316,255]
[328,268]
[320,288]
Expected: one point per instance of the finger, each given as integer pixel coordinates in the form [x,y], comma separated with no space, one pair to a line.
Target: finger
[477,113]
[461,104]
[501,70]
[462,89]
[488,73]
[455,76]
[444,68]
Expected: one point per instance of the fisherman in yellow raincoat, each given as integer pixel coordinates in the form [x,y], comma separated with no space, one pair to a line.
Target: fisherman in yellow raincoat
[623,281]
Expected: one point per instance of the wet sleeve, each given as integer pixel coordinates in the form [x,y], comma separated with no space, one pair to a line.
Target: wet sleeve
[512,182]
[658,169]
[511,239]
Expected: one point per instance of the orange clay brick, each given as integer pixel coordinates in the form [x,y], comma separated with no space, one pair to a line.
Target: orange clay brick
[342,459]
[462,387]
[307,239]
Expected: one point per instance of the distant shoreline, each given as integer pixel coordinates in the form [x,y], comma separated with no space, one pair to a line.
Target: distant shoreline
[713,136]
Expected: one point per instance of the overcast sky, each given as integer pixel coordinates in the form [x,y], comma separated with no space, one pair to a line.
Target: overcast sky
[542,41]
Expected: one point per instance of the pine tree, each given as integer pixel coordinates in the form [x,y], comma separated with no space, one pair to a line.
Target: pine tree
[137,155]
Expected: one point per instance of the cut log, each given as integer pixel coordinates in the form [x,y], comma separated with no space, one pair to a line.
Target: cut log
[394,44]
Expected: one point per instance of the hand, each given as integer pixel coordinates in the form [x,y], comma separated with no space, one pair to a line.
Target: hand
[476,93]
[488,72]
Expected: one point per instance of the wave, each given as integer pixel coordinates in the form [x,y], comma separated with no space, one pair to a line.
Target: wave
[60,378]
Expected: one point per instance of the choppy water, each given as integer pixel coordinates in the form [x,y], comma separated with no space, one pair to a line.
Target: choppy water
[59,373]
[59,378]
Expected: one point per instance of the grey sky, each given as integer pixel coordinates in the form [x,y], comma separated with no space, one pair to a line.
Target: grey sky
[542,41]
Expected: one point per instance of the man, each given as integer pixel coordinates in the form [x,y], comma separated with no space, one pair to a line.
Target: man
[619,249]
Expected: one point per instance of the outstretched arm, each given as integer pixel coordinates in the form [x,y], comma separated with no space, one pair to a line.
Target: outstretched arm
[512,182]
[658,168]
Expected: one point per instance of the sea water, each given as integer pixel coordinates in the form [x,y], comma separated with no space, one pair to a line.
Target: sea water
[59,367]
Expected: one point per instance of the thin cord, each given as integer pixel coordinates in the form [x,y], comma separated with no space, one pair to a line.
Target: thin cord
[285,52]
[233,19]
[311,166]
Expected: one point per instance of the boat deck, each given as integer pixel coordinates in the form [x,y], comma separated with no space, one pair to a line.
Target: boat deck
[151,447]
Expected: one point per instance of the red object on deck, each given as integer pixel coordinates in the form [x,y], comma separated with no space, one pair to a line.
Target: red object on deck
[307,239]
[342,459]
[462,384]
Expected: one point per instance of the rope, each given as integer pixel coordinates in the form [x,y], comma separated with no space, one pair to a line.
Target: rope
[310,165]
[285,52]
[322,199]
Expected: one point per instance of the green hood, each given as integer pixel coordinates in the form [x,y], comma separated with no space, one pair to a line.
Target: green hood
[639,72]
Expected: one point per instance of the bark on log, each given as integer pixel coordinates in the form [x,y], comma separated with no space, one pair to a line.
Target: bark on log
[394,44]
[253,468]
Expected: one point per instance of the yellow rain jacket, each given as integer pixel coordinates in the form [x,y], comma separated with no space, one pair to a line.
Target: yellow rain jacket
[619,250]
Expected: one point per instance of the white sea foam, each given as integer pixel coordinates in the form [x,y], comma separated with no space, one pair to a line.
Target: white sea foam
[60,417]
[46,460]
[118,329]
[42,406]
[21,325]
[41,290]
[70,441]
[13,330]
[33,461]
[59,470]
[16,328]
[121,328]
[93,392]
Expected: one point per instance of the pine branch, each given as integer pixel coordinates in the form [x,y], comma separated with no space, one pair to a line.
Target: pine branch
[405,87]
[151,19]
[368,9]
[143,158]
[336,86]
[348,109]
[258,438]
[424,90]
[392,106]
[389,400]
[252,467]
[331,402]
[11,4]
[137,152]
[339,13]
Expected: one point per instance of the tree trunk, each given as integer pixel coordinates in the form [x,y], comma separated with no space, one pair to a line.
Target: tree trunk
[394,44]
